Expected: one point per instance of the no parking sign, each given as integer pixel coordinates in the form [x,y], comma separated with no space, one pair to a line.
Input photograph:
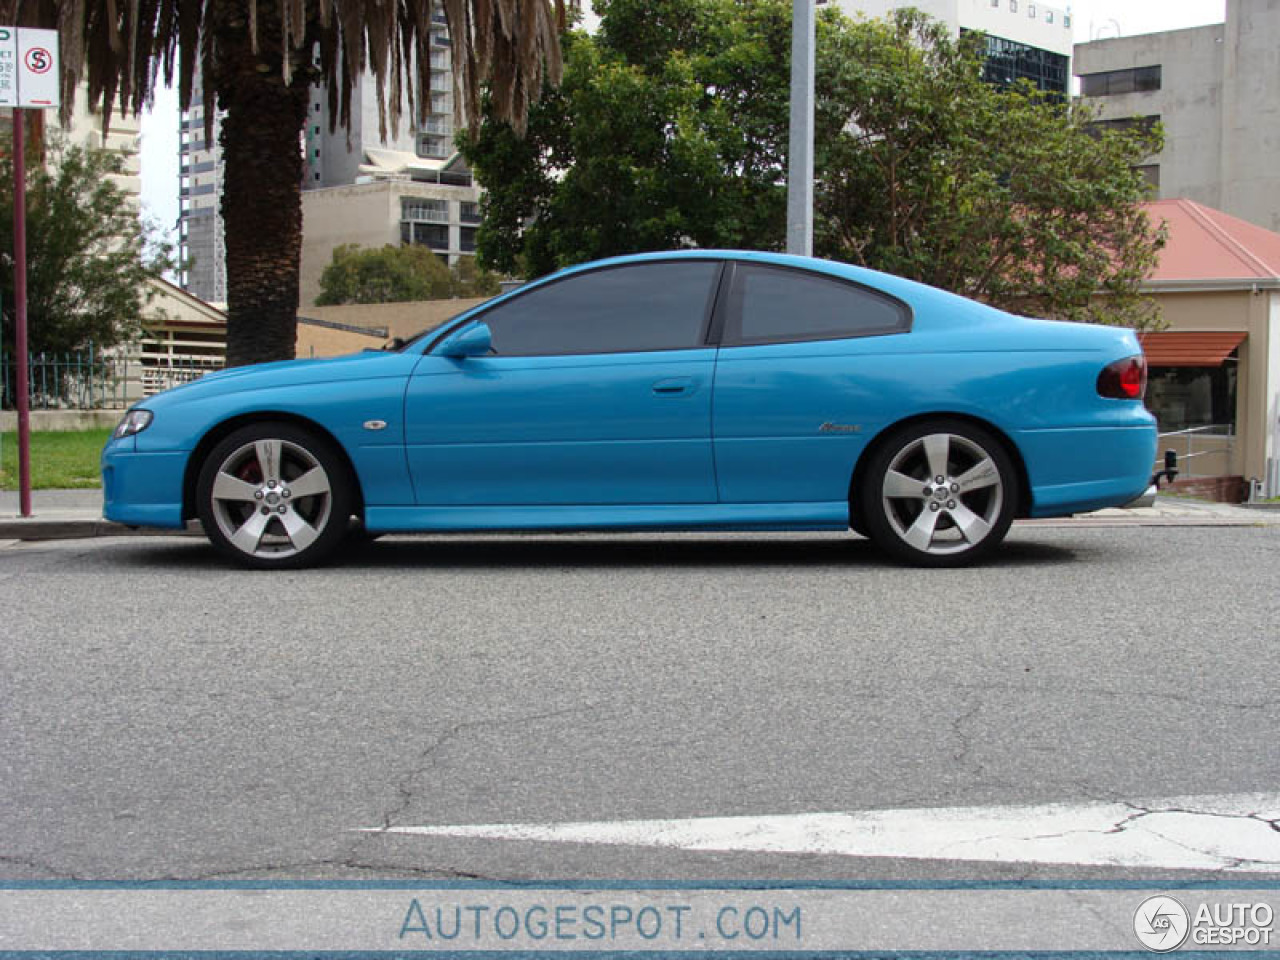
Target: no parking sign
[28,68]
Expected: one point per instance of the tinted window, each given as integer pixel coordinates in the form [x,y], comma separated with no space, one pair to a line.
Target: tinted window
[649,306]
[774,304]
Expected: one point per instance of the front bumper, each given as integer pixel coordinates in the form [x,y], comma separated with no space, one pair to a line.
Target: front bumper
[142,489]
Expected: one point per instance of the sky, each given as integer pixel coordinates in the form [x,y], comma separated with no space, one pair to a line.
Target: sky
[1092,20]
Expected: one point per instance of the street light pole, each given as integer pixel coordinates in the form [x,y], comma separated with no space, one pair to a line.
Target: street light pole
[800,160]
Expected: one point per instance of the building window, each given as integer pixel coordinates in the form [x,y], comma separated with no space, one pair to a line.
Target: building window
[1005,61]
[1123,124]
[1114,82]
[467,239]
[1013,5]
[1066,20]
[433,146]
[1151,173]
[470,212]
[1185,397]
[430,235]
[1048,16]
[1031,10]
[424,210]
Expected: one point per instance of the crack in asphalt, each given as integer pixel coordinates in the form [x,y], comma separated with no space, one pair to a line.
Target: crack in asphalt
[1142,813]
[41,865]
[961,756]
[426,758]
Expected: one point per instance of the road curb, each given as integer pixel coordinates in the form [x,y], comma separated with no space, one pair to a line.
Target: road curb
[76,529]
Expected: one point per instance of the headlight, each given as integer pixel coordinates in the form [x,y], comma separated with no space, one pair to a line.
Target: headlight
[135,421]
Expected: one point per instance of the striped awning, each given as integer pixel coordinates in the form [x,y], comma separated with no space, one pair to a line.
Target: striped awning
[1188,348]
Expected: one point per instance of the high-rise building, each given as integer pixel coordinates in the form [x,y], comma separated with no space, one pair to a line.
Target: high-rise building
[201,245]
[419,158]
[335,157]
[1025,39]
[1213,90]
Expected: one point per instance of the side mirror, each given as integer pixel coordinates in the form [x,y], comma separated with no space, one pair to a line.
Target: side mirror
[474,341]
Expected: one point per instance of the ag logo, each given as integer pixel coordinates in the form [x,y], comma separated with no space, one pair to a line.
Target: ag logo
[1161,923]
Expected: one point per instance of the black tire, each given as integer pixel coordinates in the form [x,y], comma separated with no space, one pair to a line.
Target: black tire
[358,535]
[919,521]
[282,515]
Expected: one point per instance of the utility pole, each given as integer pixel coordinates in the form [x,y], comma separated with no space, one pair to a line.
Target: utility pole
[800,159]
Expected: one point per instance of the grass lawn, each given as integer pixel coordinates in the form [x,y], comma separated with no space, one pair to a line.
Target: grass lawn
[58,460]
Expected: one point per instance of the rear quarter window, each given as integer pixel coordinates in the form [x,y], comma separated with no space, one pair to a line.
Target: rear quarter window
[771,304]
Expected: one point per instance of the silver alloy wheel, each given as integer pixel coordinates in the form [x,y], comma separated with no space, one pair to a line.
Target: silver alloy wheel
[942,494]
[271,498]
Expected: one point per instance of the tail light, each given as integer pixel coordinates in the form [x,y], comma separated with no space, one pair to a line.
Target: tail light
[1125,379]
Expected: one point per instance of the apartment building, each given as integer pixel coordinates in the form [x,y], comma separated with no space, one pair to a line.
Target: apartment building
[201,238]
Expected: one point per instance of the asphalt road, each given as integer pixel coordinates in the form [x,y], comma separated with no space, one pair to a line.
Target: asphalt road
[164,716]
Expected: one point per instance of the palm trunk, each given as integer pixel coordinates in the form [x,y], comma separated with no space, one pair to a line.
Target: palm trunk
[261,197]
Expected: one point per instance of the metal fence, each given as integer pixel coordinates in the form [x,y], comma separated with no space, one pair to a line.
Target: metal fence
[1202,451]
[92,381]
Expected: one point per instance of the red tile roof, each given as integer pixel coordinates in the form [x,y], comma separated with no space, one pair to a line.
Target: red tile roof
[1207,244]
[1187,348]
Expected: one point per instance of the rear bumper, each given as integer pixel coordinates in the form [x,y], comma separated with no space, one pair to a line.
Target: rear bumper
[142,489]
[1083,469]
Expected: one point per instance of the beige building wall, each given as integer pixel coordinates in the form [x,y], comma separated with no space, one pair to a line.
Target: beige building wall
[1254,311]
[398,319]
[85,130]
[368,214]
[320,341]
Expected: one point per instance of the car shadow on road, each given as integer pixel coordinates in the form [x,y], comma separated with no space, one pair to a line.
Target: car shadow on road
[579,551]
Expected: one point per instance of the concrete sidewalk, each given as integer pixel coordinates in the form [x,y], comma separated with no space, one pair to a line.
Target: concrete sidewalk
[62,515]
[75,514]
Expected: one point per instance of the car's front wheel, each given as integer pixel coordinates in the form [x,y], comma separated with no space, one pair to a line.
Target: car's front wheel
[274,495]
[940,493]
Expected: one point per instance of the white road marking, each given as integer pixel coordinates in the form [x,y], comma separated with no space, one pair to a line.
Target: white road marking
[1231,832]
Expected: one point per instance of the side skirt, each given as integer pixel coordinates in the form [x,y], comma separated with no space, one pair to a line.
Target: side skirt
[695,516]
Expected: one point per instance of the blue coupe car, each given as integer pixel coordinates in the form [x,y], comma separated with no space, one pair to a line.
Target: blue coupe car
[708,390]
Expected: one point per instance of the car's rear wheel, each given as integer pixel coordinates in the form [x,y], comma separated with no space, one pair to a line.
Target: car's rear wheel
[940,493]
[274,495]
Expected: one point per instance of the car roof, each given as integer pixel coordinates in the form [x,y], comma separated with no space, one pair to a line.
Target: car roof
[918,295]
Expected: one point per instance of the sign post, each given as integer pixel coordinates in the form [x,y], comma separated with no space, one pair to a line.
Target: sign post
[29,78]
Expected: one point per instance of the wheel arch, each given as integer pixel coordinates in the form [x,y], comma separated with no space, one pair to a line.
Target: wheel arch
[215,434]
[881,438]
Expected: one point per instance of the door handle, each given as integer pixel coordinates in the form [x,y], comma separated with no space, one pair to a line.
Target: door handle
[674,387]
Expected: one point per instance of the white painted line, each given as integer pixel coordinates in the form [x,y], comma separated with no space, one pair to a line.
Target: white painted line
[1232,832]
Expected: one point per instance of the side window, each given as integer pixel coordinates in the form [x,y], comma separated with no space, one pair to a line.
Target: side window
[637,307]
[779,304]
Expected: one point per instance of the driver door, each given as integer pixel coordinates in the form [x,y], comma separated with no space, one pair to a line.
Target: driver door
[598,391]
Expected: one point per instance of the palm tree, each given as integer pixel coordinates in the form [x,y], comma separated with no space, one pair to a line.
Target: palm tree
[261,58]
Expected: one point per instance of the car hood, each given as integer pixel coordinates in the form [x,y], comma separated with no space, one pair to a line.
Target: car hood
[286,373]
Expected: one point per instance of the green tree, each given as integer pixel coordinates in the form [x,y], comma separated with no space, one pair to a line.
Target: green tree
[394,274]
[1008,195]
[261,59]
[668,130]
[88,260]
